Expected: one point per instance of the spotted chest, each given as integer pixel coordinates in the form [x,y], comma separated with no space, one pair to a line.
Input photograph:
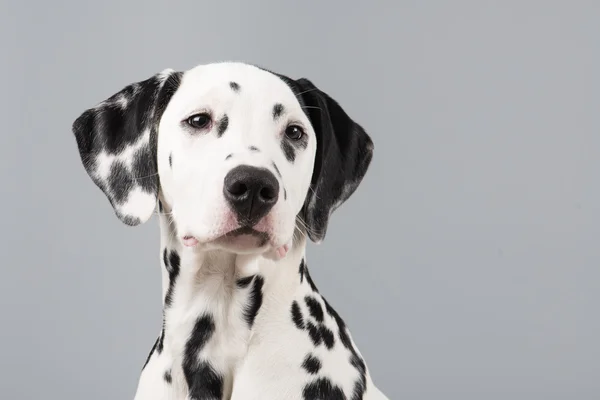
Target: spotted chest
[337,369]
[207,321]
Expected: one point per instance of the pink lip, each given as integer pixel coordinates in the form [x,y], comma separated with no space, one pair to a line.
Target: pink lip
[190,241]
[282,251]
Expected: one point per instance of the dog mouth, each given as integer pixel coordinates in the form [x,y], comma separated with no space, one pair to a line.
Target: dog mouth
[242,238]
[262,238]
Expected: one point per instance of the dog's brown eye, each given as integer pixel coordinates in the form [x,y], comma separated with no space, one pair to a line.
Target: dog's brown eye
[199,121]
[294,132]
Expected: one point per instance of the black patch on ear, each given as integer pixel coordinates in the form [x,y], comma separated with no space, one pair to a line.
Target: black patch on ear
[284,194]
[277,111]
[321,389]
[253,148]
[344,153]
[256,298]
[143,174]
[120,182]
[222,125]
[234,86]
[297,315]
[311,364]
[128,118]
[228,157]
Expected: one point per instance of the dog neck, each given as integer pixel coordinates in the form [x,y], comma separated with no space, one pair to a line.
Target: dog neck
[196,272]
[213,303]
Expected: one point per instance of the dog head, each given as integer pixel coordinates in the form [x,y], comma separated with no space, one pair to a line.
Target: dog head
[237,156]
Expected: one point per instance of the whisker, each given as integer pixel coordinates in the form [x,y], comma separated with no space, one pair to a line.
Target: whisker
[318,108]
[306,91]
[145,177]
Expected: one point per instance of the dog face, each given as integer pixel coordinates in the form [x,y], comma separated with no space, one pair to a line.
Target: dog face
[237,156]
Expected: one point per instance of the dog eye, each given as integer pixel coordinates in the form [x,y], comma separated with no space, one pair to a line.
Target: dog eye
[294,132]
[199,121]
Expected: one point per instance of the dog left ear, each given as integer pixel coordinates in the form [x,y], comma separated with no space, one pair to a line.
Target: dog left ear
[117,144]
[344,153]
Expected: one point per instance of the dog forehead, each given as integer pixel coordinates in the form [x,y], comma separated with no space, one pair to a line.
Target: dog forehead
[222,81]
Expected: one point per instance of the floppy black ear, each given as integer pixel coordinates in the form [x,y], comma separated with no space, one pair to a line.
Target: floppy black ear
[117,144]
[344,153]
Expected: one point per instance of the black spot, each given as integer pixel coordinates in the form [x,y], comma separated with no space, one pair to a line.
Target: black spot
[256,298]
[277,111]
[343,334]
[301,269]
[172,265]
[253,148]
[360,386]
[322,389]
[203,330]
[160,206]
[234,86]
[120,182]
[315,308]
[174,261]
[204,383]
[161,340]
[284,194]
[166,258]
[222,125]
[288,150]
[355,360]
[144,172]
[228,157]
[112,128]
[129,220]
[311,364]
[168,377]
[276,169]
[314,333]
[327,336]
[297,315]
[244,282]
[171,160]
[312,285]
[151,352]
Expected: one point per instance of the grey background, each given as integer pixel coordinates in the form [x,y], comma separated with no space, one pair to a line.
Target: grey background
[467,264]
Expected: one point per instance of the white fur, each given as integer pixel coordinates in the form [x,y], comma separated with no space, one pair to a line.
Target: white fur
[193,187]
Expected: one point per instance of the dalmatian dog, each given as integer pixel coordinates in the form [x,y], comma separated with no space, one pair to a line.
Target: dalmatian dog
[242,166]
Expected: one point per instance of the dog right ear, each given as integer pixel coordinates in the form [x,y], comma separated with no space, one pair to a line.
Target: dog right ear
[117,144]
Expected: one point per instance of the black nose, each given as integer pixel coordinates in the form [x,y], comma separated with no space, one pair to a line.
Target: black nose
[251,192]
